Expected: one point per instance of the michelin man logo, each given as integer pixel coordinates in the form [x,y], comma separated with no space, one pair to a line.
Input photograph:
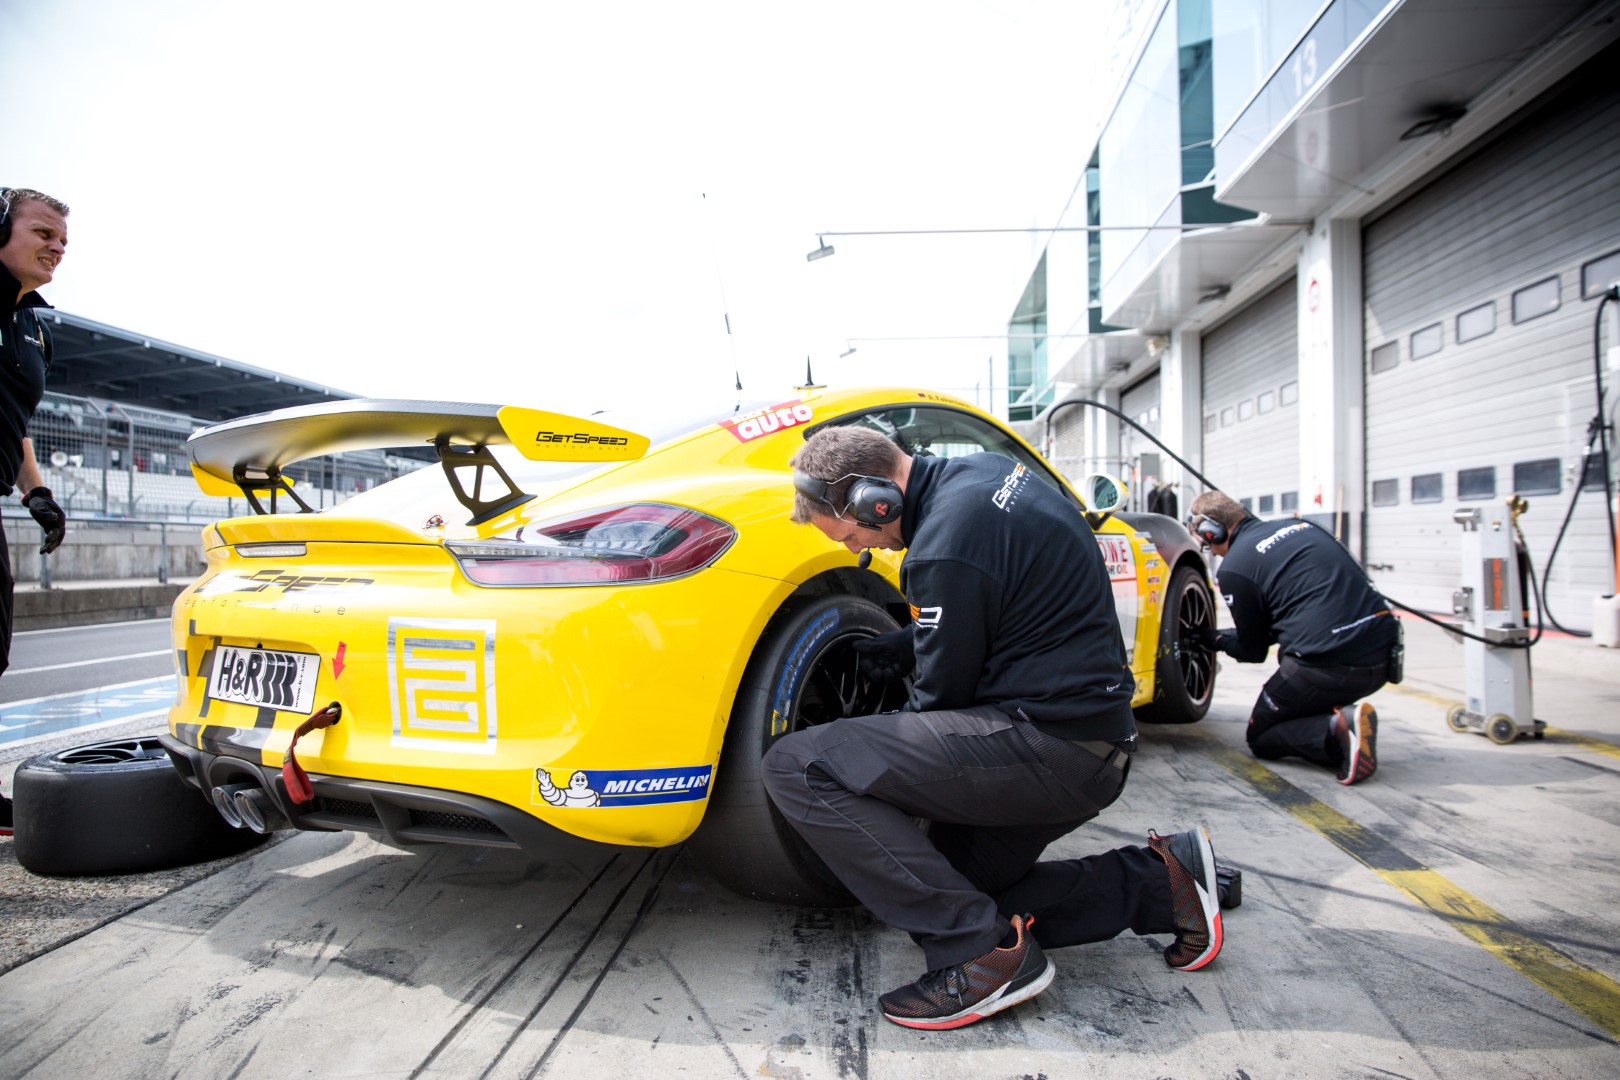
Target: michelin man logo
[579,792]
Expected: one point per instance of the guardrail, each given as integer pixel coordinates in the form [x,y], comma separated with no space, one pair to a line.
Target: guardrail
[105,548]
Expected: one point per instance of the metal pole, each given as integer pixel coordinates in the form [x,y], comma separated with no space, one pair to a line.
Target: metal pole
[163,553]
[105,461]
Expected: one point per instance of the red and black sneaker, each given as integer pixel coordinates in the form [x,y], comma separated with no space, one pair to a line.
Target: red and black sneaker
[956,996]
[5,816]
[1356,729]
[1189,858]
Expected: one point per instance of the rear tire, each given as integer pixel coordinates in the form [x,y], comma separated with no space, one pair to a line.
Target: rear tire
[803,672]
[1183,670]
[115,807]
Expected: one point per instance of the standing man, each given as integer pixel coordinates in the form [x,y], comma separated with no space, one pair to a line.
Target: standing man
[33,239]
[1292,584]
[1017,730]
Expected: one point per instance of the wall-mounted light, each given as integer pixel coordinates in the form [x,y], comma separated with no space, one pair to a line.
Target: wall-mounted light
[847,351]
[821,252]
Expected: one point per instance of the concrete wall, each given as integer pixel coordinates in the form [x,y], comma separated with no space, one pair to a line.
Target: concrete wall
[104,551]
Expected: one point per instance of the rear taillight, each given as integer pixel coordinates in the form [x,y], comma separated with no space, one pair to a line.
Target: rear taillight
[640,542]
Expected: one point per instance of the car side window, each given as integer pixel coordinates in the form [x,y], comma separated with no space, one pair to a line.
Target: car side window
[936,431]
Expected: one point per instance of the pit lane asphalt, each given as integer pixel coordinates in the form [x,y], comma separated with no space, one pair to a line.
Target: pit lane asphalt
[1454,917]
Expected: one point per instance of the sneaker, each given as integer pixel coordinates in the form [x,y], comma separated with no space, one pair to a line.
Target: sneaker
[1194,897]
[955,996]
[1356,728]
[5,816]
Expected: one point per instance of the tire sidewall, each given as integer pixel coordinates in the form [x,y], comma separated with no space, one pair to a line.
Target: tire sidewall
[1172,704]
[744,841]
[76,818]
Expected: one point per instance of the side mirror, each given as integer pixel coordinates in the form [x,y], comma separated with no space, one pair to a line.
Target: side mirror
[1102,495]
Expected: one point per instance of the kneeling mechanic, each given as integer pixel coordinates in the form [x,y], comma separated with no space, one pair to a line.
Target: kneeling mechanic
[1017,730]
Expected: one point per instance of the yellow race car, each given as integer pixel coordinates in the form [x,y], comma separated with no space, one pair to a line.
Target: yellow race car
[577,631]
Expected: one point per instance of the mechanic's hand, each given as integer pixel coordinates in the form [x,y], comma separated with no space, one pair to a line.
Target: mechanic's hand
[1207,638]
[49,515]
[887,657]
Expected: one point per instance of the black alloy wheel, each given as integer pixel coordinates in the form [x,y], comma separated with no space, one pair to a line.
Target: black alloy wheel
[1184,671]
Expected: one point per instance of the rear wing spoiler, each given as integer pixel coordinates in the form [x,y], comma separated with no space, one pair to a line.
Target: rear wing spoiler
[246,456]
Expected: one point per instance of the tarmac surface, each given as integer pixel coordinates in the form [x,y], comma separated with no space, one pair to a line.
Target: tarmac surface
[1455,916]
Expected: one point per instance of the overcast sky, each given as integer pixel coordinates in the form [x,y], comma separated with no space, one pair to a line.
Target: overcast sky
[554,204]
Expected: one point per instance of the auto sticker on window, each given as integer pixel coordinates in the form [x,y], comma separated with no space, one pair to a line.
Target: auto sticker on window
[441,684]
[761,422]
[583,788]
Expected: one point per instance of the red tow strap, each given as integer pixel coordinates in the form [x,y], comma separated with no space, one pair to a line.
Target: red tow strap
[292,773]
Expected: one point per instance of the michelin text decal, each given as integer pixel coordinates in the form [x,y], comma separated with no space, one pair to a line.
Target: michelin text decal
[621,787]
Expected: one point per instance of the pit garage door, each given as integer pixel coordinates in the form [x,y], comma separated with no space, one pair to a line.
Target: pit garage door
[1142,460]
[1481,292]
[1251,403]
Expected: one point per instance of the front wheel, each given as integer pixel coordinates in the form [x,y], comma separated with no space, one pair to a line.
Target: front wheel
[1183,670]
[803,673]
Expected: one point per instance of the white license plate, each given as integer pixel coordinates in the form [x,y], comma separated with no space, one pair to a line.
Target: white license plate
[269,678]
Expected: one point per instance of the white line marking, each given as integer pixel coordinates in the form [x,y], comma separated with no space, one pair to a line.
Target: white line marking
[86,727]
[89,626]
[85,663]
[98,691]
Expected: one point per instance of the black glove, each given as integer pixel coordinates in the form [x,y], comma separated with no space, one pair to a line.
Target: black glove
[49,515]
[1207,638]
[887,657]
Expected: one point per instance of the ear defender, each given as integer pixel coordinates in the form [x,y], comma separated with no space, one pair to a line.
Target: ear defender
[873,501]
[5,216]
[1208,530]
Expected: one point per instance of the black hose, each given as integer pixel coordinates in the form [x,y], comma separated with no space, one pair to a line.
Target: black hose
[1209,486]
[1598,429]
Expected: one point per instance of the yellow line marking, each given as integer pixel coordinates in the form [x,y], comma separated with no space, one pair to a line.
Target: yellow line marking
[1552,734]
[1589,992]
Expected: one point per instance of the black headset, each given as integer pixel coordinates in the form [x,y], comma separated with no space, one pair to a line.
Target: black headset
[872,501]
[1208,530]
[5,215]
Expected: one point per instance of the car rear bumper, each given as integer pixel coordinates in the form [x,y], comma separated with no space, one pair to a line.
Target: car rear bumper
[401,814]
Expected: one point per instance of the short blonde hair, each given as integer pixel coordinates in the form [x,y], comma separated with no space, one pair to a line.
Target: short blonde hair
[15,197]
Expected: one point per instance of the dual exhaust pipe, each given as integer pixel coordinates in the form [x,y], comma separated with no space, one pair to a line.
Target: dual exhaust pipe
[249,806]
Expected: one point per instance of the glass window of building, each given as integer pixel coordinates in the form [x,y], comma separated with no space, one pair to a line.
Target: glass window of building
[1476,322]
[1288,393]
[1543,477]
[1289,501]
[1267,504]
[1534,301]
[1385,356]
[1026,347]
[1386,492]
[1428,488]
[1266,401]
[1477,483]
[1140,155]
[1428,341]
[1599,274]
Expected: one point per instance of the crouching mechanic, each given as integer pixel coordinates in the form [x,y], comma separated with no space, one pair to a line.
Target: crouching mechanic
[1293,584]
[1018,729]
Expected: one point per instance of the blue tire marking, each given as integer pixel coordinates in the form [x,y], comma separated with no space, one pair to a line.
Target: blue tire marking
[798,658]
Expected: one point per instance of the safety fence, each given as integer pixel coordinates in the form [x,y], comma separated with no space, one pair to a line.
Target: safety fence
[106,459]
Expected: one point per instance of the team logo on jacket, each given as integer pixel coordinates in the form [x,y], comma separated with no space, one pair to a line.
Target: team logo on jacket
[1010,487]
[926,618]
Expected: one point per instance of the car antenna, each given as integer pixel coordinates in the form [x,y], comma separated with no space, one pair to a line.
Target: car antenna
[809,379]
[736,369]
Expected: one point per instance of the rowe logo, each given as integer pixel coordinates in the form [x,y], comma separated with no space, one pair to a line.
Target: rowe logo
[762,422]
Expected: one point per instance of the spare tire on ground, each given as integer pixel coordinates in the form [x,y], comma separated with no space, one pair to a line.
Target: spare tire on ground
[115,807]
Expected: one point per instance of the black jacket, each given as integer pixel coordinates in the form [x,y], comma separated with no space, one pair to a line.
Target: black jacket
[1010,600]
[1291,583]
[25,356]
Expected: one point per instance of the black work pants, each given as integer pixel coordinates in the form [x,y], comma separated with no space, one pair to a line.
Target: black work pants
[997,795]
[1293,716]
[7,588]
